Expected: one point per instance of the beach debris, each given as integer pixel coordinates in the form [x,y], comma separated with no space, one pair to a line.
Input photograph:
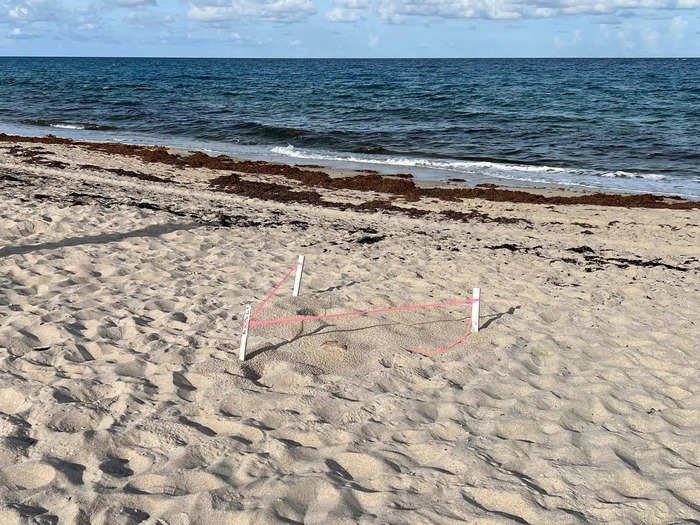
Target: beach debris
[371,239]
[334,346]
[371,182]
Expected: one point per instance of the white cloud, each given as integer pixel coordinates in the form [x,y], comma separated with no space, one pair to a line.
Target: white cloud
[273,10]
[677,28]
[20,34]
[29,11]
[80,20]
[134,3]
[145,18]
[353,4]
[397,11]
[341,14]
[650,38]
[347,10]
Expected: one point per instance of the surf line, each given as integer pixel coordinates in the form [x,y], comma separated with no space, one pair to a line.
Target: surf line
[248,323]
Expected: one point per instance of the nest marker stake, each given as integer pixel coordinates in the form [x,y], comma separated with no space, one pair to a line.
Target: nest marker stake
[244,334]
[475,309]
[297,281]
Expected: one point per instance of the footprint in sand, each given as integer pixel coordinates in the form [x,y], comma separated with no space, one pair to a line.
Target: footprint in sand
[73,419]
[48,334]
[27,476]
[176,485]
[135,368]
[11,401]
[86,391]
[188,384]
[73,472]
[116,467]
[283,378]
[356,466]
[231,428]
[17,346]
[110,332]
[161,305]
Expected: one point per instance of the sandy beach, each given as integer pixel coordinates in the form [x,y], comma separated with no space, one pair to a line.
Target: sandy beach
[124,273]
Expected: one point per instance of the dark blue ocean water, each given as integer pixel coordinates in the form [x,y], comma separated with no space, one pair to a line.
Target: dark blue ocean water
[614,124]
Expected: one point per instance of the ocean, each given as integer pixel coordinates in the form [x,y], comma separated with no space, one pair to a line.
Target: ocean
[599,124]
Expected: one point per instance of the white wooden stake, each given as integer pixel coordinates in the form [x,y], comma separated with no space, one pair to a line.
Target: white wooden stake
[297,281]
[475,309]
[244,335]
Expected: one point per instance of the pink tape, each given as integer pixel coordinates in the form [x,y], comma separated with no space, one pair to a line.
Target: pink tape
[274,291]
[381,310]
[448,347]
[330,316]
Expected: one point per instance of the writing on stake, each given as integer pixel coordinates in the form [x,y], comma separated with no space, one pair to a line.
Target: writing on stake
[244,335]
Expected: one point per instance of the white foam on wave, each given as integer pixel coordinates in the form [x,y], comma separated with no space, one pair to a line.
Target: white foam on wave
[452,165]
[628,175]
[67,126]
[497,169]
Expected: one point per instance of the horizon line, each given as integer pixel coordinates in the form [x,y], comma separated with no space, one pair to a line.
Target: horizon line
[360,58]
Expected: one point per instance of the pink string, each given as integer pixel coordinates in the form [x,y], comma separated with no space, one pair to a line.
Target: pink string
[381,310]
[274,291]
[330,316]
[445,348]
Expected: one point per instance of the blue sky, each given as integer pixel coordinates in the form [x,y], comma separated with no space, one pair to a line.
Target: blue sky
[351,28]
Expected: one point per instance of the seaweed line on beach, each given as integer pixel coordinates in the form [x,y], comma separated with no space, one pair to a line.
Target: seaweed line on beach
[90,193]
[399,185]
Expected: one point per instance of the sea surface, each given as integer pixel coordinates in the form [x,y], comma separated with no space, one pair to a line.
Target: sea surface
[609,124]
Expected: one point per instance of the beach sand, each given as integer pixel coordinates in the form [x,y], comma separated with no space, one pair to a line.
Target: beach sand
[122,399]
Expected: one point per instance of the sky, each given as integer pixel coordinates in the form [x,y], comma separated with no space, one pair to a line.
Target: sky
[351,28]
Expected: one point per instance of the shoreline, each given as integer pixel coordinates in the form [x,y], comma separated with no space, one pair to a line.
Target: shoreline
[399,185]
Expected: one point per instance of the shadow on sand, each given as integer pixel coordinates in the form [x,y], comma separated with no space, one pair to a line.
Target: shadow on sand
[322,330]
[155,230]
